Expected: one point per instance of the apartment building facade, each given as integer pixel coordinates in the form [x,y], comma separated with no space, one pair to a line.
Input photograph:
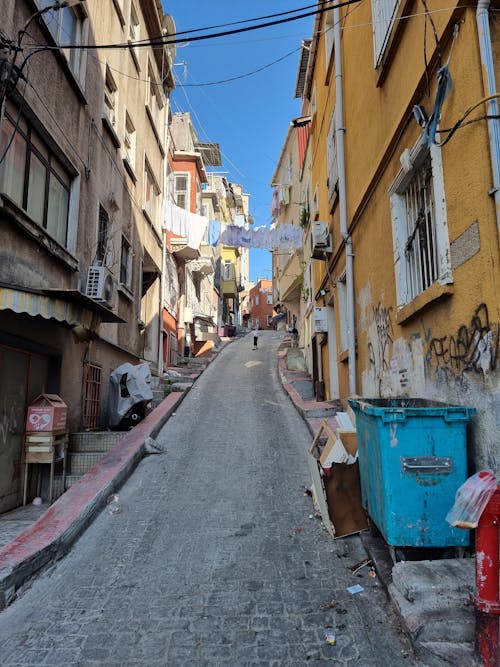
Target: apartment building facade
[81,175]
[407,243]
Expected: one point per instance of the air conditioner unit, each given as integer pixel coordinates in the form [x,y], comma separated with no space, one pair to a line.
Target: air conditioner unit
[320,320]
[100,285]
[321,240]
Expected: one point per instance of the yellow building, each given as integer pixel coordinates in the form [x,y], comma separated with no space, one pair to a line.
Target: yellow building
[405,174]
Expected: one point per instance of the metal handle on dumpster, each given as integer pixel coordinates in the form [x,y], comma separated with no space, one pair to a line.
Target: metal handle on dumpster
[393,416]
[426,464]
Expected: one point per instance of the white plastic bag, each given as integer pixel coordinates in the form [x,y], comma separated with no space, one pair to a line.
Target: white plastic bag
[471,499]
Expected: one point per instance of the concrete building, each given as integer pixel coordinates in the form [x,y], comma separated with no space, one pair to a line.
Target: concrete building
[82,173]
[405,268]
[290,206]
[198,303]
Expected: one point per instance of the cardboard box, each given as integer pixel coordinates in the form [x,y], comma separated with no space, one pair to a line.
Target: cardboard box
[48,412]
[336,485]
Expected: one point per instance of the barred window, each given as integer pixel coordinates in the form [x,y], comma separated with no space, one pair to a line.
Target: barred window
[420,232]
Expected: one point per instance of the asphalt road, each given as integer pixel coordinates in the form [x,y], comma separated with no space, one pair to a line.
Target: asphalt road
[215,556]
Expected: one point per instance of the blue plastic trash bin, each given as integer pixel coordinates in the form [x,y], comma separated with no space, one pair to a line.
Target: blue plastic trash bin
[412,459]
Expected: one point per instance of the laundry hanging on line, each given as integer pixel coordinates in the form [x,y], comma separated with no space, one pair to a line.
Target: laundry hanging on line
[184,223]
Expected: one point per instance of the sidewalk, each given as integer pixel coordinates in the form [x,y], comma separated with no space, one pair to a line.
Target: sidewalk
[431,597]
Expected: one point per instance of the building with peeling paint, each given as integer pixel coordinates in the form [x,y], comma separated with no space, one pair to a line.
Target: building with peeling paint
[405,174]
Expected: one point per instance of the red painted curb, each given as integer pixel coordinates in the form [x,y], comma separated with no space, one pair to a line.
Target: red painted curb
[77,500]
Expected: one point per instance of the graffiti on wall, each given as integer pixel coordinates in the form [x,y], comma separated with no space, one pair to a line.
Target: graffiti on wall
[379,347]
[473,347]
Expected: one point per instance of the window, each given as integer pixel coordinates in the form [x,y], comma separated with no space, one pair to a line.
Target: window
[130,141]
[420,231]
[228,270]
[153,100]
[269,299]
[181,184]
[68,26]
[331,151]
[383,17]
[151,193]
[91,395]
[256,299]
[198,196]
[33,177]
[342,311]
[104,243]
[329,23]
[110,98]
[134,35]
[126,263]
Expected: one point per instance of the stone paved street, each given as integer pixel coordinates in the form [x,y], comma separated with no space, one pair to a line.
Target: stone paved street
[214,558]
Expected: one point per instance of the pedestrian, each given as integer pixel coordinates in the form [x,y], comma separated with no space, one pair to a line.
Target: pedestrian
[255,334]
[295,337]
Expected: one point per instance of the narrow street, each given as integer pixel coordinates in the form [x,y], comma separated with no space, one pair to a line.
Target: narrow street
[215,557]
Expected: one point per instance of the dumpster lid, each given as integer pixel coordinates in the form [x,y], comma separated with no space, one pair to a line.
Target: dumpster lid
[410,406]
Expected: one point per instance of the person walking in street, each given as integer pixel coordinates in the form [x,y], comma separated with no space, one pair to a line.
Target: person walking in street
[255,334]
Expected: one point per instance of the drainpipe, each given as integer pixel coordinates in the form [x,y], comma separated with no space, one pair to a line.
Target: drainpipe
[166,195]
[488,73]
[340,130]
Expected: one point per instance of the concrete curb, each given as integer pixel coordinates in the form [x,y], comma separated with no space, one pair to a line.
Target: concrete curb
[51,537]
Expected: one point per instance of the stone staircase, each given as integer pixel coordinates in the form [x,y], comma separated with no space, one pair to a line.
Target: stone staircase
[85,449]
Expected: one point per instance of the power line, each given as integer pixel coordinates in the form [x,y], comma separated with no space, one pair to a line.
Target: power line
[241,76]
[257,18]
[162,41]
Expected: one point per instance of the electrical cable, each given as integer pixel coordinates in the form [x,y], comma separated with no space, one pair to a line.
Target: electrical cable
[162,41]
[257,18]
[241,76]
[460,122]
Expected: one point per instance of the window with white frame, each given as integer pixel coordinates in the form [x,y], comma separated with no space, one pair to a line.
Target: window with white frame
[198,196]
[227,270]
[420,230]
[151,193]
[130,141]
[269,299]
[181,190]
[69,26]
[33,176]
[126,263]
[110,97]
[383,18]
[329,23]
[331,152]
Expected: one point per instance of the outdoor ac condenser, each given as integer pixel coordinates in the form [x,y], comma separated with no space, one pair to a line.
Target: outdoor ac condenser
[100,285]
[321,239]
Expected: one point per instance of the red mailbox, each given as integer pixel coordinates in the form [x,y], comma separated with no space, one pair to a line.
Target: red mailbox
[47,413]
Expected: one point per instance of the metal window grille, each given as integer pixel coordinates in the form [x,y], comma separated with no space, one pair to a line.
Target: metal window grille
[91,394]
[420,248]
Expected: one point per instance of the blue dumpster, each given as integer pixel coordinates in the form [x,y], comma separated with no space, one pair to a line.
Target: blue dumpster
[412,459]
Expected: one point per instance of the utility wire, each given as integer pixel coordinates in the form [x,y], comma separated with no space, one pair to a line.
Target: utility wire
[162,41]
[257,18]
[241,76]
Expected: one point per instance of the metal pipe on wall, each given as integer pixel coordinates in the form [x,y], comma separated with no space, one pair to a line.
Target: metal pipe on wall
[488,74]
[340,130]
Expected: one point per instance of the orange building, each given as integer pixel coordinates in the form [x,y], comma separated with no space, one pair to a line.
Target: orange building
[260,304]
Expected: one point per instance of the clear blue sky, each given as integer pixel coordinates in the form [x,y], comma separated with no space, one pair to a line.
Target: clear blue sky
[248,117]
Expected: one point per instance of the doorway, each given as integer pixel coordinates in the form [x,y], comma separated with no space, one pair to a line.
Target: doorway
[25,376]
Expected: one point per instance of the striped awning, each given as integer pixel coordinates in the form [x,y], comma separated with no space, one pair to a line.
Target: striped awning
[47,307]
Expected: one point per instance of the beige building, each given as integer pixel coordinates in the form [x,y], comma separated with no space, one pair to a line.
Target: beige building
[82,173]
